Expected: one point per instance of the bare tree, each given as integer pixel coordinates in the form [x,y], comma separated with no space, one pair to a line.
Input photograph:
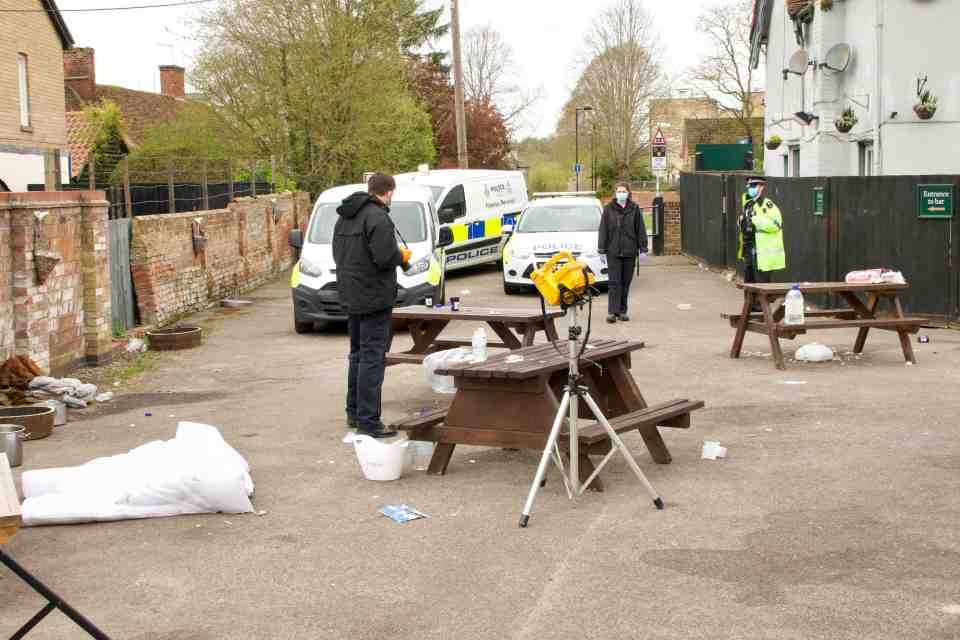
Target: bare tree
[621,75]
[489,76]
[725,72]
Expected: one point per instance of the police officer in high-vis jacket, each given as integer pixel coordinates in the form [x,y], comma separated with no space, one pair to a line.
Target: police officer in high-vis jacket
[761,234]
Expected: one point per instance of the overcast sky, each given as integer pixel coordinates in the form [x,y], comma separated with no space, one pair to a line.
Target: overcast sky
[546,36]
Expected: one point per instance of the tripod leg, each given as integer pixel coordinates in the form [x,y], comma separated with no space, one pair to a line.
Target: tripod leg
[545,458]
[618,443]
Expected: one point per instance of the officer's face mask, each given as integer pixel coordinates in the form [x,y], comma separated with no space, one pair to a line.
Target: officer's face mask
[753,192]
[622,197]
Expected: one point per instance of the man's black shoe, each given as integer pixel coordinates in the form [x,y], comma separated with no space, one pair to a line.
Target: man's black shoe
[352,423]
[623,317]
[379,431]
[611,318]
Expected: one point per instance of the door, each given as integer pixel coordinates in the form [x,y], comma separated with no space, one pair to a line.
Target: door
[124,311]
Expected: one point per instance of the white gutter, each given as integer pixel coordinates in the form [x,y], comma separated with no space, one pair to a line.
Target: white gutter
[878,108]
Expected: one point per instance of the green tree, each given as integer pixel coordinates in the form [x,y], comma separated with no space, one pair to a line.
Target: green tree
[109,143]
[320,83]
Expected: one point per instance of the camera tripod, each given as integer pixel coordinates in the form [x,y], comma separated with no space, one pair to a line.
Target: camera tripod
[573,393]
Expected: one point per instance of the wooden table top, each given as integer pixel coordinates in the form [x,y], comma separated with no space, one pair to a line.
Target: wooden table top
[539,359]
[481,314]
[9,502]
[822,287]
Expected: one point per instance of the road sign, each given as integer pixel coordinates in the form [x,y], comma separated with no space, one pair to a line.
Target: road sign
[578,169]
[658,152]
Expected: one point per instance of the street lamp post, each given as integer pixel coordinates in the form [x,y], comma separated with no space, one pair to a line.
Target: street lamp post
[576,129]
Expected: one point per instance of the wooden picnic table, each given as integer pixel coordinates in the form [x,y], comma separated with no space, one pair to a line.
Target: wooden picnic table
[513,404]
[426,324]
[9,502]
[860,314]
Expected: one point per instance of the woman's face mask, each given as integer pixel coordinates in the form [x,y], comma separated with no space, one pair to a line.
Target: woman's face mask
[753,192]
[622,197]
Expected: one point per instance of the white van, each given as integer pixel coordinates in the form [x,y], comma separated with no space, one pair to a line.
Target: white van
[314,278]
[474,204]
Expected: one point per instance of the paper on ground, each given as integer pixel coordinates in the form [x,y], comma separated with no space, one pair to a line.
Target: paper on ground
[712,450]
[402,513]
[195,472]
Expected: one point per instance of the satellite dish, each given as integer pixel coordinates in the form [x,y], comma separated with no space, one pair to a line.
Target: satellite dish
[799,62]
[838,58]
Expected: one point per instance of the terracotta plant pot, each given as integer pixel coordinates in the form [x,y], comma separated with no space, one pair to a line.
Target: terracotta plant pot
[924,113]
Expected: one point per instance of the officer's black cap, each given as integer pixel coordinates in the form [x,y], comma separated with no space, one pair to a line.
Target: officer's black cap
[756,179]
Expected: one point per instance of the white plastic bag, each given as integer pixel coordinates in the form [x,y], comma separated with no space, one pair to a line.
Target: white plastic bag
[442,360]
[814,352]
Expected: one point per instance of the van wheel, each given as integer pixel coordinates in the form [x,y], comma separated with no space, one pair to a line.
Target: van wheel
[302,327]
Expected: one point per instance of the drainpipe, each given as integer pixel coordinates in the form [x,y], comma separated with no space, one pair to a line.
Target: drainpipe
[878,108]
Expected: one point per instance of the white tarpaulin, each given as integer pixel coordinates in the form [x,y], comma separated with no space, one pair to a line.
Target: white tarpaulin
[195,472]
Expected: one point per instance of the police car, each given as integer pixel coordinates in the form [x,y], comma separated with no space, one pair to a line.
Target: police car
[553,222]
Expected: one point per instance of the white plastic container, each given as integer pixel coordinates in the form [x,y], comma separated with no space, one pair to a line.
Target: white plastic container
[420,454]
[479,345]
[794,307]
[381,461]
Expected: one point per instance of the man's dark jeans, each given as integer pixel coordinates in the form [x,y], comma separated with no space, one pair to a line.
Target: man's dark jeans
[369,340]
[620,274]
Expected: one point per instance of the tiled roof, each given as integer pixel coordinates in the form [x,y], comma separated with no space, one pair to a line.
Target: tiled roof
[141,110]
[80,136]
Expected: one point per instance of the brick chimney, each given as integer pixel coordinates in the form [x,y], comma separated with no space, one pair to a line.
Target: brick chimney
[171,80]
[79,72]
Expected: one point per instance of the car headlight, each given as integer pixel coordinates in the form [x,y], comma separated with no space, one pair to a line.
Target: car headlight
[519,253]
[311,269]
[418,267]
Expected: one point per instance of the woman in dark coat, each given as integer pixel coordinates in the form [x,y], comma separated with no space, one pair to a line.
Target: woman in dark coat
[622,238]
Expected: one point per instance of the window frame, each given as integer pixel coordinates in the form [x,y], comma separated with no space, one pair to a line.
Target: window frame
[23,91]
[865,154]
[795,160]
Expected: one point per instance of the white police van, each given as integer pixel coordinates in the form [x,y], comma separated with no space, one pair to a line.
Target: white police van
[474,204]
[553,222]
[314,279]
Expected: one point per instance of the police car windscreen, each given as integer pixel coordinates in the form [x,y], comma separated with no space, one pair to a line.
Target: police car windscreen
[407,216]
[560,218]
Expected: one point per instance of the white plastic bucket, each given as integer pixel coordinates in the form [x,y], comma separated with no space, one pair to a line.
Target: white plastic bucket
[381,461]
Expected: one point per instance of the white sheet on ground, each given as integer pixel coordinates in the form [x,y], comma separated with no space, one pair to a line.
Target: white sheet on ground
[195,472]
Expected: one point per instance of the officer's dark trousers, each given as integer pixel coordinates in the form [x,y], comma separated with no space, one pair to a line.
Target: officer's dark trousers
[620,272]
[752,273]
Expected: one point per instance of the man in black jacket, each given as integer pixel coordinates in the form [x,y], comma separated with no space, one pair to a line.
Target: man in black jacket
[367,256]
[622,238]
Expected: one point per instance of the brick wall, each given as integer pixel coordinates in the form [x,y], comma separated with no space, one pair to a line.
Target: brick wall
[246,245]
[65,320]
[31,33]
[671,218]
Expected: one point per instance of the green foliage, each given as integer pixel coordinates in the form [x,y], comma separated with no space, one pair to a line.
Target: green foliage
[548,176]
[197,132]
[109,146]
[320,83]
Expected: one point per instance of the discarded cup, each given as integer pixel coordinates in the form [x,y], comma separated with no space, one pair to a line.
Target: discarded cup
[428,302]
[924,339]
[454,303]
[712,450]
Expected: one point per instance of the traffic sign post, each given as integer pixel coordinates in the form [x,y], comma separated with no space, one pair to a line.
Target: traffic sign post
[658,155]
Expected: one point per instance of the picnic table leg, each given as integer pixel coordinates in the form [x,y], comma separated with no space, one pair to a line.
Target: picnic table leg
[905,343]
[424,333]
[529,335]
[441,458]
[503,331]
[586,470]
[748,298]
[550,328]
[772,332]
[632,399]
[866,311]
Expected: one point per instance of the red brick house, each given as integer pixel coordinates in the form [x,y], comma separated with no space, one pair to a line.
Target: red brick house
[141,109]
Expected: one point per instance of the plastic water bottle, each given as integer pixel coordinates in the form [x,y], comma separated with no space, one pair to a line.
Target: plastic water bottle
[794,306]
[480,345]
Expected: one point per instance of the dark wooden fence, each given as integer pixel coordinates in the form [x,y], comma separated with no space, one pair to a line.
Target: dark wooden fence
[867,222]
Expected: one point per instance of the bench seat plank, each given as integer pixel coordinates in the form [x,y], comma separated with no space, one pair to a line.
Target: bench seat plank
[675,413]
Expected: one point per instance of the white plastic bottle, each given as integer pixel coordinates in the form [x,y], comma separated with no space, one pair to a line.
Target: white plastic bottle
[794,306]
[480,345]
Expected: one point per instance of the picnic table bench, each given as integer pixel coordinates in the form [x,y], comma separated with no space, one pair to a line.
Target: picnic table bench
[10,520]
[516,328]
[860,314]
[513,404]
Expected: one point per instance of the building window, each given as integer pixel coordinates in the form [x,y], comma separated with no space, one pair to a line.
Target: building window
[795,159]
[786,166]
[24,90]
[866,158]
